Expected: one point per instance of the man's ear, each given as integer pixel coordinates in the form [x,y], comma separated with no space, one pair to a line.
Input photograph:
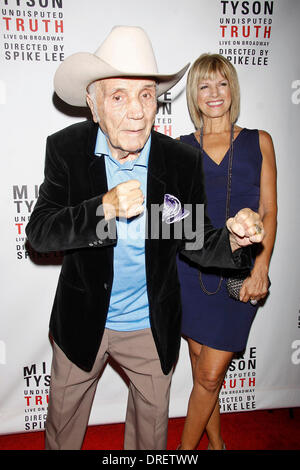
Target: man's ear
[90,103]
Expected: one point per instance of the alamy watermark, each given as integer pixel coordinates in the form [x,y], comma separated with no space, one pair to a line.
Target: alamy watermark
[154,225]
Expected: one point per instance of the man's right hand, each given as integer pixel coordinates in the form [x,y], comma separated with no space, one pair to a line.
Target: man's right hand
[124,200]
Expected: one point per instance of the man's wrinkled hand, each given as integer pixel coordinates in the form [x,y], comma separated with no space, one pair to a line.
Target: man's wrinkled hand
[245,228]
[124,200]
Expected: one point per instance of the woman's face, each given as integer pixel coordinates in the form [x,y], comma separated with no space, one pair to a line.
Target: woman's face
[214,96]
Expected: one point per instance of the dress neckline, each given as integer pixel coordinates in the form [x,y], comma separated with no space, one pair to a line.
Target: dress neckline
[226,153]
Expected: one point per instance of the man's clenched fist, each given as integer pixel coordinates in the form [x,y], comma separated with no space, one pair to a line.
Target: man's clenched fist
[124,200]
[245,229]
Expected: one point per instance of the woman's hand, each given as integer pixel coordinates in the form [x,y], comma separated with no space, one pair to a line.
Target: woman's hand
[255,287]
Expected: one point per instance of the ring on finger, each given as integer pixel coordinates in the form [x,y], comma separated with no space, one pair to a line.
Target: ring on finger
[258,229]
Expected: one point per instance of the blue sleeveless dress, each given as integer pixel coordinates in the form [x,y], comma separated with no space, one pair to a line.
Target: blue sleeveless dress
[217,320]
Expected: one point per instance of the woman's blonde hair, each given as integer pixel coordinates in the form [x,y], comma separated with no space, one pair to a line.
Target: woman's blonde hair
[206,67]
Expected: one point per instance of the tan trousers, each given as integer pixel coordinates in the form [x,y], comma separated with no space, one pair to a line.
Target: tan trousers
[72,392]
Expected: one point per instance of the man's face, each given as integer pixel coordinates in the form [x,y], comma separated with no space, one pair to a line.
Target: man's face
[125,111]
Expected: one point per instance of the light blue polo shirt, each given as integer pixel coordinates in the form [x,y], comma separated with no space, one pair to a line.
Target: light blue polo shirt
[129,306]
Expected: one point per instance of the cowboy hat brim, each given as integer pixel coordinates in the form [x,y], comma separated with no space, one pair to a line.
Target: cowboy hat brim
[81,69]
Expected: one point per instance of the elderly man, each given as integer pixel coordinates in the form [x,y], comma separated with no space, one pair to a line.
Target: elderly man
[118,293]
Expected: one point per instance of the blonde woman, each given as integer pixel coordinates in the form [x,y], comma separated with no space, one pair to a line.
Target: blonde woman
[240,171]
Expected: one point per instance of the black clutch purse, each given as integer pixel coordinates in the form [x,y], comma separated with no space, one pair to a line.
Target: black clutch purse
[234,285]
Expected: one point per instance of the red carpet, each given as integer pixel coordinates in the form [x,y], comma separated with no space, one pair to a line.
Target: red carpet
[255,430]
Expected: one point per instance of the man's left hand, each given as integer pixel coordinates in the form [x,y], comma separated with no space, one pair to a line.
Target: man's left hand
[245,228]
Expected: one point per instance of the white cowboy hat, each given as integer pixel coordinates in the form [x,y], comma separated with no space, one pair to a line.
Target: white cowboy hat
[126,52]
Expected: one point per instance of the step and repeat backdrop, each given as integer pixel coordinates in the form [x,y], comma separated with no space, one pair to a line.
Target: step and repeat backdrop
[261,38]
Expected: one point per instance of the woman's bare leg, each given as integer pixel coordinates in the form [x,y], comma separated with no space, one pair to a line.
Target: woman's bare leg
[209,367]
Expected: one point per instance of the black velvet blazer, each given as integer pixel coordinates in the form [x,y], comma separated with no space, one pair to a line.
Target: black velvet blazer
[65,219]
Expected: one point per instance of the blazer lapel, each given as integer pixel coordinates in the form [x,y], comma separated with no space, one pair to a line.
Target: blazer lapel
[97,172]
[155,197]
[156,173]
